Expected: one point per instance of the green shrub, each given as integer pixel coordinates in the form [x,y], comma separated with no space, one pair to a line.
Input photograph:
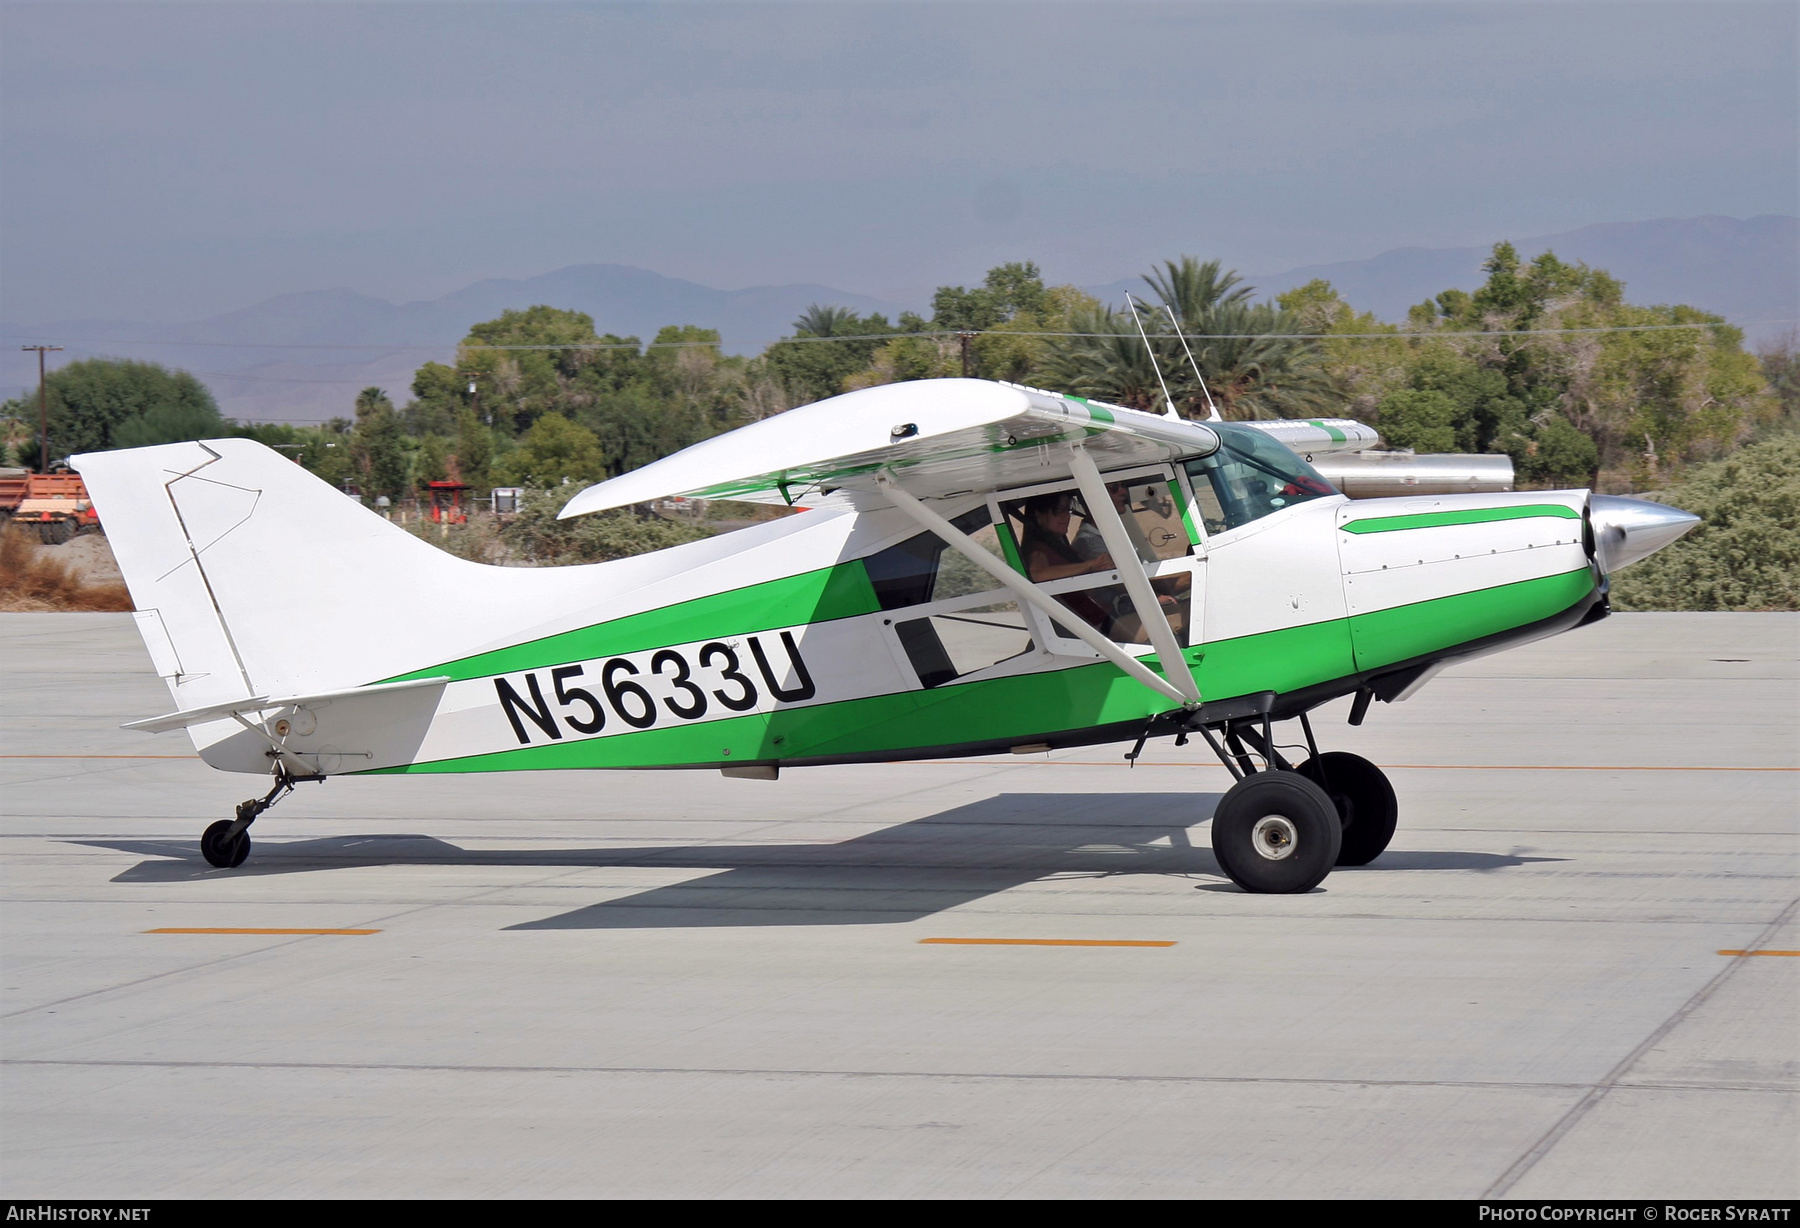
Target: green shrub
[1745,553]
[536,536]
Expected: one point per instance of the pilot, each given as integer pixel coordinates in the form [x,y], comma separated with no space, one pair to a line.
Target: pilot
[1045,544]
[1050,555]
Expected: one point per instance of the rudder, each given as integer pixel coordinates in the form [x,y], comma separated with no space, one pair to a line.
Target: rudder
[253,577]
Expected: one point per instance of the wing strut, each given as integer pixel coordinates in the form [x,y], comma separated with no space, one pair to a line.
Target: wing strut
[1028,592]
[1131,570]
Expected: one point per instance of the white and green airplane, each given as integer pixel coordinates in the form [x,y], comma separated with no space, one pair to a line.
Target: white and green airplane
[981,567]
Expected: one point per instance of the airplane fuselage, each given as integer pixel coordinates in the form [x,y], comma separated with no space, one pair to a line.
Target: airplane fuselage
[1310,602]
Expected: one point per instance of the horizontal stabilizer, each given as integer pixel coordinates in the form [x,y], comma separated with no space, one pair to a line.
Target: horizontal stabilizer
[263,703]
[936,437]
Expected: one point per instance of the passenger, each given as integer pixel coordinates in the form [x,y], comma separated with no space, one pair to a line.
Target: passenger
[1169,589]
[1089,541]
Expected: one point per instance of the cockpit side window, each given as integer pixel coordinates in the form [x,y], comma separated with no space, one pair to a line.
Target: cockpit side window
[1249,477]
[951,638]
[916,571]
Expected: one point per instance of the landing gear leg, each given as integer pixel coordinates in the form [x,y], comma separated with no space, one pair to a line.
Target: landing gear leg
[1282,828]
[226,843]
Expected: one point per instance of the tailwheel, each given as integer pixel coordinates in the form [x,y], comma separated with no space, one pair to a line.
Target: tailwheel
[225,844]
[1276,832]
[1364,799]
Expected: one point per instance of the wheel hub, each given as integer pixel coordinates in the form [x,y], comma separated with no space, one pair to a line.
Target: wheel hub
[1273,837]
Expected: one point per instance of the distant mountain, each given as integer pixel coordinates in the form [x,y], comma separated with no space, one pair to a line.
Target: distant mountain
[356,340]
[1744,270]
[1747,271]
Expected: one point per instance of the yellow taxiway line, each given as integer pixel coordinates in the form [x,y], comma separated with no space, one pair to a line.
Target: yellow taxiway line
[234,930]
[1759,952]
[1043,942]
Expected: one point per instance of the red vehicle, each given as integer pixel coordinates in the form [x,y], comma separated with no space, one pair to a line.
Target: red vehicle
[447,502]
[56,503]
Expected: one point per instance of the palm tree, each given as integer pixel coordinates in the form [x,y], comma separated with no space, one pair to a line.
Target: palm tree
[1255,366]
[1249,373]
[372,401]
[1194,290]
[817,321]
[1105,359]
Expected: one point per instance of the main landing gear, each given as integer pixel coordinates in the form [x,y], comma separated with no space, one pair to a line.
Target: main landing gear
[1281,828]
[226,844]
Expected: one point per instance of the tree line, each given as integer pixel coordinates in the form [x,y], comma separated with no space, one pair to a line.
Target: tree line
[537,396]
[1547,362]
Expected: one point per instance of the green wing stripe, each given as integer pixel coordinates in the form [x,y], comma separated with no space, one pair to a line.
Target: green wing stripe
[1480,515]
[842,591]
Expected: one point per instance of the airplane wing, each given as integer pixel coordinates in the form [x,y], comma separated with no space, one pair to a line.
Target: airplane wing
[937,437]
[1319,436]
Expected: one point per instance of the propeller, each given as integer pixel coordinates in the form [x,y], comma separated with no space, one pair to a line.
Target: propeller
[1626,530]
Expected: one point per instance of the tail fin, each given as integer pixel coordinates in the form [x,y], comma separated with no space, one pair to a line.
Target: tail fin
[253,577]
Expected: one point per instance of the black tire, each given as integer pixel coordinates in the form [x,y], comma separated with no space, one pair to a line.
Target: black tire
[1276,833]
[1364,799]
[55,532]
[217,852]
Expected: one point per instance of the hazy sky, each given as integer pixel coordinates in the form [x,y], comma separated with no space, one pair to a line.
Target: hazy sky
[166,161]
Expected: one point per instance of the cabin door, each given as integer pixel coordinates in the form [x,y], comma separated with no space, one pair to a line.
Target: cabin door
[1050,537]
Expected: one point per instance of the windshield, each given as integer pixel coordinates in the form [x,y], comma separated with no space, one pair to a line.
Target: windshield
[1250,476]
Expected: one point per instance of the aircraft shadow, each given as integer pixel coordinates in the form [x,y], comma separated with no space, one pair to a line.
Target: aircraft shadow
[1400,860]
[897,874]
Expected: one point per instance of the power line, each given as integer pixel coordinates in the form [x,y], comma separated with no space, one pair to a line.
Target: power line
[933,333]
[249,345]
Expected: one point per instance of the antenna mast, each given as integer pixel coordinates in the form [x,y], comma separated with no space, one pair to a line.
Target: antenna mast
[1169,410]
[1212,411]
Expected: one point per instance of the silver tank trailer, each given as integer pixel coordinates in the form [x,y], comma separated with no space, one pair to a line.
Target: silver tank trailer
[1377,475]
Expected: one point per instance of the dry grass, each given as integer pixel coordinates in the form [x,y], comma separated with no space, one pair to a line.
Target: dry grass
[33,581]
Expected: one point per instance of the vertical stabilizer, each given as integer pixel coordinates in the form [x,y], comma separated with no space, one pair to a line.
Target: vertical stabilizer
[253,577]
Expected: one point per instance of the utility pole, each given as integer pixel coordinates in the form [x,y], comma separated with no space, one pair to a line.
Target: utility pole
[968,361]
[474,392]
[43,406]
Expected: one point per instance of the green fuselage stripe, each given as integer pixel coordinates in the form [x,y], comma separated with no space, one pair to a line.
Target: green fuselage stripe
[1004,708]
[1335,435]
[1480,515]
[841,591]
[1406,632]
[1029,707]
